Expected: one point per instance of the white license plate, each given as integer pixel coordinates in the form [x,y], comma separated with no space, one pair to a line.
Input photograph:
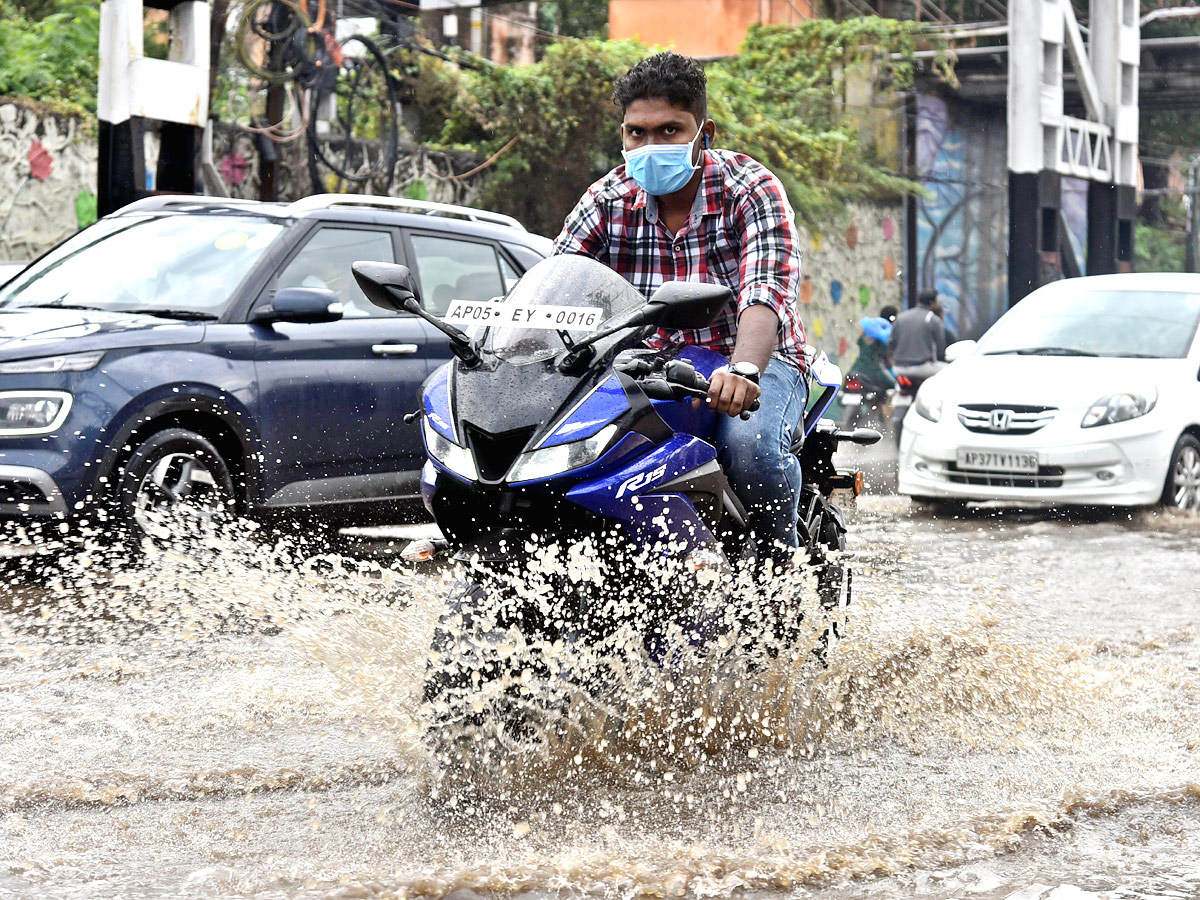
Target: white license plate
[998,461]
[520,315]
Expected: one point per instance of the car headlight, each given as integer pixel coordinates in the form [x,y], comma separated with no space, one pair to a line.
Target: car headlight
[928,405]
[71,362]
[1118,408]
[454,457]
[549,461]
[33,412]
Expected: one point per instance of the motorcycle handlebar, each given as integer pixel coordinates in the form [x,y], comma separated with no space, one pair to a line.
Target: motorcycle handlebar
[677,380]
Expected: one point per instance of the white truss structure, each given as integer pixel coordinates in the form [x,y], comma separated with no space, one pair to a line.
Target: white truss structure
[174,89]
[1041,137]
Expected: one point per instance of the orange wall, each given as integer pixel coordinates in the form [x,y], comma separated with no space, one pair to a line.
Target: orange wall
[700,27]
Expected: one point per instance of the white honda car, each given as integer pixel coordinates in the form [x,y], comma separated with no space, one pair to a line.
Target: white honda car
[1085,392]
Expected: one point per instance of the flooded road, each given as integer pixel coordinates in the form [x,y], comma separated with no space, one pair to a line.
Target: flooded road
[1013,712]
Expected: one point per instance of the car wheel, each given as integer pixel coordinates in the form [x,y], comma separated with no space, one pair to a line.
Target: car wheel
[173,482]
[1182,489]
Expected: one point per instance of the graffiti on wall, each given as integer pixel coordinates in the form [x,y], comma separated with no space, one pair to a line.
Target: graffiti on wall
[962,225]
[47,180]
[851,270]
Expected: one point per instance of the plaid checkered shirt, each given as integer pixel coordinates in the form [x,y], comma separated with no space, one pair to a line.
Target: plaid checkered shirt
[741,234]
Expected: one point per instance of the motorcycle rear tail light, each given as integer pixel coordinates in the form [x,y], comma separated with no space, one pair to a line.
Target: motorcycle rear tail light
[853,384]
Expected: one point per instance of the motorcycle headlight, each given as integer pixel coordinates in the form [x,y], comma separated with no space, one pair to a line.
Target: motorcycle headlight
[71,362]
[454,457]
[549,461]
[33,412]
[1118,408]
[927,404]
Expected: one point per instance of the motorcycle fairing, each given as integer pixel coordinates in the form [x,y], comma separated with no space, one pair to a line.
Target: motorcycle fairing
[829,377]
[605,403]
[627,494]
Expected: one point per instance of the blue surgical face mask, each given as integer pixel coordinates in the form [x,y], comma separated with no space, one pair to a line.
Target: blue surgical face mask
[661,169]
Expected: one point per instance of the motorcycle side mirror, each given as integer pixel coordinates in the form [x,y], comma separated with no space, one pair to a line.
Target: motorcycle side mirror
[686,304]
[393,288]
[387,285]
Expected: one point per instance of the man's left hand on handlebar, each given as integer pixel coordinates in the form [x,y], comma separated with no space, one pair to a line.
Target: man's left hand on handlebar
[730,394]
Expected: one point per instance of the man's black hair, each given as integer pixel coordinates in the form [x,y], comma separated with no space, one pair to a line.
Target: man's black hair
[666,76]
[927,298]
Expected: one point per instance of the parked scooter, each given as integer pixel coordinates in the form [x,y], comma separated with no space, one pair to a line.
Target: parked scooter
[558,426]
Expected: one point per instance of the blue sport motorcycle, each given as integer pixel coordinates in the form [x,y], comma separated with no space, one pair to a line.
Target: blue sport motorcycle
[557,425]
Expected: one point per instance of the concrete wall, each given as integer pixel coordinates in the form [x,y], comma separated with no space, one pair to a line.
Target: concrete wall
[45,211]
[852,268]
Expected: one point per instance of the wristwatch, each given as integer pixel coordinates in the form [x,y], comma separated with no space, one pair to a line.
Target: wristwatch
[747,370]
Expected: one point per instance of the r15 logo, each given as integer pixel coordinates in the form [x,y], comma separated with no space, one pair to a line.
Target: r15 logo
[637,482]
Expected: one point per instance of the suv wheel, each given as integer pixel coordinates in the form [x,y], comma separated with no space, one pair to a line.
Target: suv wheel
[1182,489]
[173,478]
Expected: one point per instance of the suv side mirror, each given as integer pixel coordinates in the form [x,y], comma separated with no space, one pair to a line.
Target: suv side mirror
[375,279]
[686,304]
[300,304]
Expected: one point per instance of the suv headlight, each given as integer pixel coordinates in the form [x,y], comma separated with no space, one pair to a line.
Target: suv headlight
[1118,408]
[33,412]
[550,461]
[71,362]
[927,404]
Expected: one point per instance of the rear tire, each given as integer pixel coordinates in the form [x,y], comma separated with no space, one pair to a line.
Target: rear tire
[1182,488]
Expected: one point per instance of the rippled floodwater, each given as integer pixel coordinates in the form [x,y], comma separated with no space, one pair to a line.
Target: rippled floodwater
[1014,712]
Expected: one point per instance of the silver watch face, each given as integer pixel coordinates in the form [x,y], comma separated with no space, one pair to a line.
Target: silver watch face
[745,369]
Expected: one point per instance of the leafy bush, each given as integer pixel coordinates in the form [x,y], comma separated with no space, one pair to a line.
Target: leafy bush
[1158,250]
[53,60]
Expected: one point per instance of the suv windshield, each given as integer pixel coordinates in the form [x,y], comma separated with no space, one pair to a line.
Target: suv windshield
[190,264]
[1064,322]
[560,281]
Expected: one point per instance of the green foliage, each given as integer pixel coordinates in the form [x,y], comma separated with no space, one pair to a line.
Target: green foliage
[780,100]
[54,59]
[1158,249]
[574,18]
[561,107]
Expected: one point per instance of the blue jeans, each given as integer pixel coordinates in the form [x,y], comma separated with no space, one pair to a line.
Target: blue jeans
[756,456]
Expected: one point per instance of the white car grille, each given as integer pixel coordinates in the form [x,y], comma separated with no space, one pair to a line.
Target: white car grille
[1046,477]
[998,418]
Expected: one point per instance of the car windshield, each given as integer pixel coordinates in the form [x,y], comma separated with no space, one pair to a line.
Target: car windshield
[190,264]
[560,281]
[1065,322]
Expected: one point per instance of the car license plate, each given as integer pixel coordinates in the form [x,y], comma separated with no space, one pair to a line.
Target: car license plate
[519,315]
[998,461]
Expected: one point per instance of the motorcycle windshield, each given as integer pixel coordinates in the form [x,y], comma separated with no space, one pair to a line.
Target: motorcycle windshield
[560,282]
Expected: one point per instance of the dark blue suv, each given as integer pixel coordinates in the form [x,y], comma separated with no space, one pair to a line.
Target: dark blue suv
[218,353]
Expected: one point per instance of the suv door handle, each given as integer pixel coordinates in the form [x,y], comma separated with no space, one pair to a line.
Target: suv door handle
[394,349]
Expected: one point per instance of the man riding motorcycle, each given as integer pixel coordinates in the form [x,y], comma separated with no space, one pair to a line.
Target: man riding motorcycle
[679,210]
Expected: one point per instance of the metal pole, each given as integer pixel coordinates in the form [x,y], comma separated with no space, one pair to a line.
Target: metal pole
[1192,255]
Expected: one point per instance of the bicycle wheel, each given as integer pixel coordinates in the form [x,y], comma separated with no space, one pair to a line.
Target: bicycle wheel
[353,131]
[273,40]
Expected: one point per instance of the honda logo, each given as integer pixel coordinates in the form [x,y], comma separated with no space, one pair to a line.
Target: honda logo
[1001,419]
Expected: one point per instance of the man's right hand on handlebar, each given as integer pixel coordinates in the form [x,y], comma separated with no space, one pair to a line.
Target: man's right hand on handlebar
[730,394]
